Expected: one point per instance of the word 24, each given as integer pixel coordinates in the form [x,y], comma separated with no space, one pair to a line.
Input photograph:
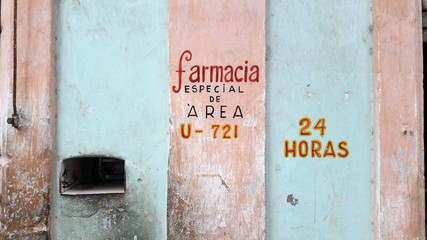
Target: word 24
[225,131]
[314,148]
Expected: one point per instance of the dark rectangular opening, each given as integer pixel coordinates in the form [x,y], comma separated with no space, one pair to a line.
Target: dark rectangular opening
[92,175]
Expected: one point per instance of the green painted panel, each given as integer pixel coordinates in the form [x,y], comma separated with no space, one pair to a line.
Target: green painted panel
[319,66]
[112,68]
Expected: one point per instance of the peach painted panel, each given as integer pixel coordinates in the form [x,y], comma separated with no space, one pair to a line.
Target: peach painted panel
[399,150]
[217,94]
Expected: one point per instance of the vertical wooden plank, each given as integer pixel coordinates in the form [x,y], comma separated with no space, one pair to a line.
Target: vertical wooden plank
[216,182]
[399,194]
[26,158]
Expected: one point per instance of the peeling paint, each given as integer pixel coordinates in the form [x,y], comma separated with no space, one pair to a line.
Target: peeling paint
[292,200]
[25,187]
[250,121]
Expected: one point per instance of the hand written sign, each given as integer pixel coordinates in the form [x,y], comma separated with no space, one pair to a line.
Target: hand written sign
[228,131]
[315,148]
[215,73]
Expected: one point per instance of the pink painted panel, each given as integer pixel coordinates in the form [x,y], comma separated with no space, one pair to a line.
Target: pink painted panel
[399,211]
[217,87]
[28,152]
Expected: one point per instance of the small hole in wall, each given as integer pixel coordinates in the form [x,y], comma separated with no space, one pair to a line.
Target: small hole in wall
[92,175]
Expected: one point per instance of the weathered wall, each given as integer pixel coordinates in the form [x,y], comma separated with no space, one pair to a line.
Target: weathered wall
[318,66]
[112,59]
[113,99]
[399,211]
[216,176]
[26,153]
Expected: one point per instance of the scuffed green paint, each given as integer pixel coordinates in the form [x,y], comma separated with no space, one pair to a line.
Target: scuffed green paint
[112,70]
[319,66]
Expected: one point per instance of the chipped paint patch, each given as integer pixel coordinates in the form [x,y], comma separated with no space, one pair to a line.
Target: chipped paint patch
[292,200]
[250,121]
